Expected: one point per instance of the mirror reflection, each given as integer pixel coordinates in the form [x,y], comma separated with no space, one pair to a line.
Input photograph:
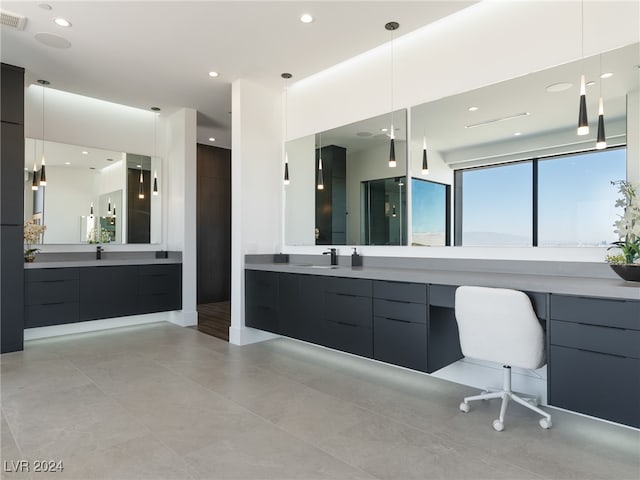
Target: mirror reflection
[342,188]
[91,195]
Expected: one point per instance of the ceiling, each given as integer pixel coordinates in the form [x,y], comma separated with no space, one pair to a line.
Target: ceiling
[159,53]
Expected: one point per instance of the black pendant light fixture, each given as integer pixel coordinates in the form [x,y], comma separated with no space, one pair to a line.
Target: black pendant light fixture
[583,121]
[286,77]
[320,184]
[34,182]
[91,211]
[155,192]
[601,140]
[43,173]
[109,207]
[425,164]
[392,26]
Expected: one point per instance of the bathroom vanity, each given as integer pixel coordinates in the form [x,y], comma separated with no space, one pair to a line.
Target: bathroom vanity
[405,317]
[75,291]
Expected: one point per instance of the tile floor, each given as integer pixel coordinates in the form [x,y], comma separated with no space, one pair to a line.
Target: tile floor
[164,402]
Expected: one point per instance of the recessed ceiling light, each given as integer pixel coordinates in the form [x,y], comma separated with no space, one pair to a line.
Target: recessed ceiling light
[591,83]
[67,163]
[472,109]
[155,109]
[109,159]
[559,87]
[92,168]
[384,129]
[306,18]
[213,74]
[606,75]
[45,6]
[211,139]
[62,22]
[51,40]
[139,166]
[517,134]
[84,152]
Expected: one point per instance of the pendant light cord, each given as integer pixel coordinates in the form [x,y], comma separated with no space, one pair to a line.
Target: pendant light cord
[582,28]
[392,66]
[43,121]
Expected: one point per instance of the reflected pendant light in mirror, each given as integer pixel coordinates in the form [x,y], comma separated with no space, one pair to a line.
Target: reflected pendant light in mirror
[601,140]
[583,121]
[109,207]
[286,77]
[320,177]
[425,164]
[34,182]
[43,173]
[392,26]
[155,183]
[141,186]
[154,191]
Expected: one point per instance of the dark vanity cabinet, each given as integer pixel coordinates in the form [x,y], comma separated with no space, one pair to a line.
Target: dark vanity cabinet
[300,306]
[594,357]
[55,296]
[442,328]
[261,300]
[400,324]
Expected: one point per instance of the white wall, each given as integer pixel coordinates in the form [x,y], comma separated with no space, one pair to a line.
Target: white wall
[256,188]
[633,136]
[485,44]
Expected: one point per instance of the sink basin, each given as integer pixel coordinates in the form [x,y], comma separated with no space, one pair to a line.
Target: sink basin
[316,266]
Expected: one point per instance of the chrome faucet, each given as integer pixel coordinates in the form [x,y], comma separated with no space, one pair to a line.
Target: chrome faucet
[99,251]
[334,255]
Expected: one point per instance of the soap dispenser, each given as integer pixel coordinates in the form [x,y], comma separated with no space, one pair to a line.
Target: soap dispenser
[356,259]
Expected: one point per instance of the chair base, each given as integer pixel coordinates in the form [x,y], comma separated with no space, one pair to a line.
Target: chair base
[507,395]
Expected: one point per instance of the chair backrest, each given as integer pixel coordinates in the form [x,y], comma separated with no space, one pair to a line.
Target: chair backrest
[499,325]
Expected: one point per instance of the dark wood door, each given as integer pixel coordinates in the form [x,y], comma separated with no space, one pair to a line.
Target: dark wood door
[214,224]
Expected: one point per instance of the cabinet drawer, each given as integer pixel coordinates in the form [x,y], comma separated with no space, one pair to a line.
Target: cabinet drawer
[348,338]
[52,314]
[262,317]
[51,291]
[348,309]
[604,386]
[442,295]
[159,302]
[400,291]
[160,283]
[400,343]
[349,286]
[159,269]
[615,341]
[261,288]
[50,274]
[410,312]
[597,311]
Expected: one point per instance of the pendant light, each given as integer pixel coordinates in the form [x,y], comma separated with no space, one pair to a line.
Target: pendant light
[392,26]
[286,76]
[91,211]
[601,140]
[583,122]
[425,164]
[320,177]
[155,192]
[43,173]
[109,207]
[34,183]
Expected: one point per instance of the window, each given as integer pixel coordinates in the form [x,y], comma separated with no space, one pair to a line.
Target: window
[576,199]
[573,205]
[497,205]
[429,210]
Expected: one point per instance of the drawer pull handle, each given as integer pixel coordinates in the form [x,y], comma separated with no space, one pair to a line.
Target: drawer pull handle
[601,353]
[344,294]
[346,324]
[397,320]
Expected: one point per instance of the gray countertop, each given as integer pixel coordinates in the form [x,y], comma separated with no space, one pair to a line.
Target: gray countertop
[88,259]
[559,284]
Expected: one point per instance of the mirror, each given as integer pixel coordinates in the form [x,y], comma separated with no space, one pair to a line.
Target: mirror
[533,116]
[362,200]
[92,195]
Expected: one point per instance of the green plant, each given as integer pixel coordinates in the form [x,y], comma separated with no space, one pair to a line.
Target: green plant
[627,225]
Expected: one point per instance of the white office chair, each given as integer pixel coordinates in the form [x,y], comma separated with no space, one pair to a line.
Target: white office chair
[499,325]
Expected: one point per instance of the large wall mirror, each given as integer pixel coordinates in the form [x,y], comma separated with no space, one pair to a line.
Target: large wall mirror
[92,195]
[342,189]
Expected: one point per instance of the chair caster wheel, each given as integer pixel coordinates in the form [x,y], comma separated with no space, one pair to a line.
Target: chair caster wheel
[498,426]
[545,423]
[464,407]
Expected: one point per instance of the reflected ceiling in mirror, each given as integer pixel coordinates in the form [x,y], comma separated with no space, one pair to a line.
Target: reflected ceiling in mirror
[352,155]
[533,115]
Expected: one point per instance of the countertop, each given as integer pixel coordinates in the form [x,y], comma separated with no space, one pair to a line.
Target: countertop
[558,284]
[86,259]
